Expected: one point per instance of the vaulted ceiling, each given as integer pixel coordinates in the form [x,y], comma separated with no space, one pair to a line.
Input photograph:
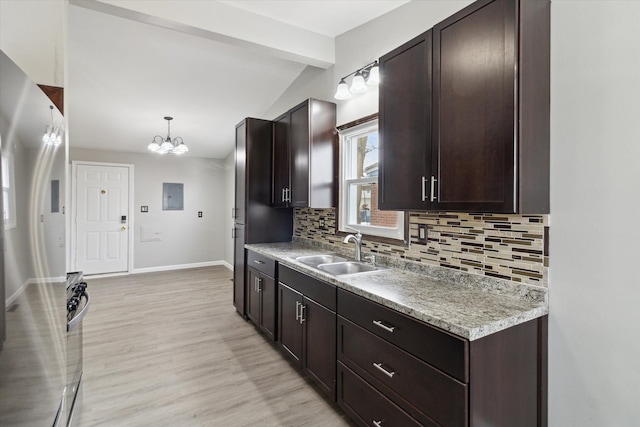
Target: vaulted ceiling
[207,63]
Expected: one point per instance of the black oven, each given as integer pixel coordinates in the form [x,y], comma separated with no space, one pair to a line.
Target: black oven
[77,306]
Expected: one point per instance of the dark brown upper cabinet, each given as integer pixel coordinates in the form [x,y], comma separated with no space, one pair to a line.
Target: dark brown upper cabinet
[405,126]
[464,113]
[491,108]
[305,156]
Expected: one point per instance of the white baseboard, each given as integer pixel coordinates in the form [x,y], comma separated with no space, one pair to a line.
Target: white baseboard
[163,268]
[18,292]
[31,281]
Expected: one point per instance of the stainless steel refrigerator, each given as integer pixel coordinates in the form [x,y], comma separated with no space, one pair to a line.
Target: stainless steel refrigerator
[33,322]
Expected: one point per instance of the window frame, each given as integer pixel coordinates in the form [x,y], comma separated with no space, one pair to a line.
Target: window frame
[396,235]
[10,222]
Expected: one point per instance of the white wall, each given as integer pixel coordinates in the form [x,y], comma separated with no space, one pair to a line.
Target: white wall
[229,185]
[186,240]
[32,35]
[594,350]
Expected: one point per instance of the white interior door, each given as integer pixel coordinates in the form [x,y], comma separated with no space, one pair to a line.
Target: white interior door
[102,218]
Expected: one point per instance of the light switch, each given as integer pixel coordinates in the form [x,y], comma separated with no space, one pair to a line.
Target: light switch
[144,208]
[422,233]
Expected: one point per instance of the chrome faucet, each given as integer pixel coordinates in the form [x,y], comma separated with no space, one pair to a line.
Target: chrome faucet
[357,239]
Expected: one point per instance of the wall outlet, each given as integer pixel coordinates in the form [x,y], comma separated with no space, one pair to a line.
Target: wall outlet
[321,220]
[199,214]
[423,233]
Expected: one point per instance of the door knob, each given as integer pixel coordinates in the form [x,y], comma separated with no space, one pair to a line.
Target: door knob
[123,228]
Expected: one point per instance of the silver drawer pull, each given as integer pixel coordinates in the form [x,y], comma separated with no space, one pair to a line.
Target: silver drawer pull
[258,261]
[381,368]
[383,326]
[377,423]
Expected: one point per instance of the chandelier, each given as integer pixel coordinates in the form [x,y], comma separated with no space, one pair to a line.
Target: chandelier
[167,145]
[53,134]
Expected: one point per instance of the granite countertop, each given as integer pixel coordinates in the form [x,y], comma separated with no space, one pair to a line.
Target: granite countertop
[464,304]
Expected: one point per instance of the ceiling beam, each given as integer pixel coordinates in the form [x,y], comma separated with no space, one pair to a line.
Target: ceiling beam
[226,24]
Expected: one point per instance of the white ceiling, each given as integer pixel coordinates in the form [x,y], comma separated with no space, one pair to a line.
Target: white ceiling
[328,17]
[126,74]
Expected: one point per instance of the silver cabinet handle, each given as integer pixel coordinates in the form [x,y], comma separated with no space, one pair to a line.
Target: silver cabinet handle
[377,423]
[381,368]
[257,284]
[233,212]
[233,233]
[302,308]
[379,324]
[257,261]
[298,311]
[424,188]
[433,188]
[283,194]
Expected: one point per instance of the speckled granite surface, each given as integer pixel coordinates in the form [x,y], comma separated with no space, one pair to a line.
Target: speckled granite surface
[464,304]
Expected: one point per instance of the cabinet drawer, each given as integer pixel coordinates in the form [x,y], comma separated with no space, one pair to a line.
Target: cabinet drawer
[366,405]
[436,347]
[261,263]
[317,290]
[421,390]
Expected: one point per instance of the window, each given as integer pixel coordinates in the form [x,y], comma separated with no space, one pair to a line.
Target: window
[359,185]
[8,192]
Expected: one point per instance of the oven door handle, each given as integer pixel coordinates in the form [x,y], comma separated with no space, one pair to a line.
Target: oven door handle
[78,317]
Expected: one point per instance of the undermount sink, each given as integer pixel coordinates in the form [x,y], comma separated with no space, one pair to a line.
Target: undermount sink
[316,260]
[348,267]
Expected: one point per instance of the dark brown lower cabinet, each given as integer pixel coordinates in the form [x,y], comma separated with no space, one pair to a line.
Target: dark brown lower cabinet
[502,380]
[426,393]
[289,323]
[261,301]
[308,327]
[367,406]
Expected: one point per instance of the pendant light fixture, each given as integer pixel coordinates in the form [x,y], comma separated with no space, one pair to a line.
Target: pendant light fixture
[167,145]
[369,75]
[52,134]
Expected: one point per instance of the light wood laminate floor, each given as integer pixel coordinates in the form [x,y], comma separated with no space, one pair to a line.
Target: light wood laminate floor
[169,349]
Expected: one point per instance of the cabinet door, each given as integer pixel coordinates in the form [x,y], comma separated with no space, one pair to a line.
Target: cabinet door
[405,125]
[280,179]
[289,302]
[299,152]
[474,76]
[238,269]
[268,307]
[241,167]
[320,345]
[254,284]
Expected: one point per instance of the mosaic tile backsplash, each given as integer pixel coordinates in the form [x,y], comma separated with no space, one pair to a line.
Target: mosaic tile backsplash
[512,247]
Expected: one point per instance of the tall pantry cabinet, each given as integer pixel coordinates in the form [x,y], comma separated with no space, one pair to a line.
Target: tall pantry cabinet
[255,221]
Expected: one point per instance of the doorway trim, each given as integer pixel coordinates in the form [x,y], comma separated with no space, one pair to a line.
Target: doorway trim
[74,202]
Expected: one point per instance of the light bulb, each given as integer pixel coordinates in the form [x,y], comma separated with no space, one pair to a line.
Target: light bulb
[357,84]
[343,91]
[181,149]
[167,146]
[153,147]
[374,76]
